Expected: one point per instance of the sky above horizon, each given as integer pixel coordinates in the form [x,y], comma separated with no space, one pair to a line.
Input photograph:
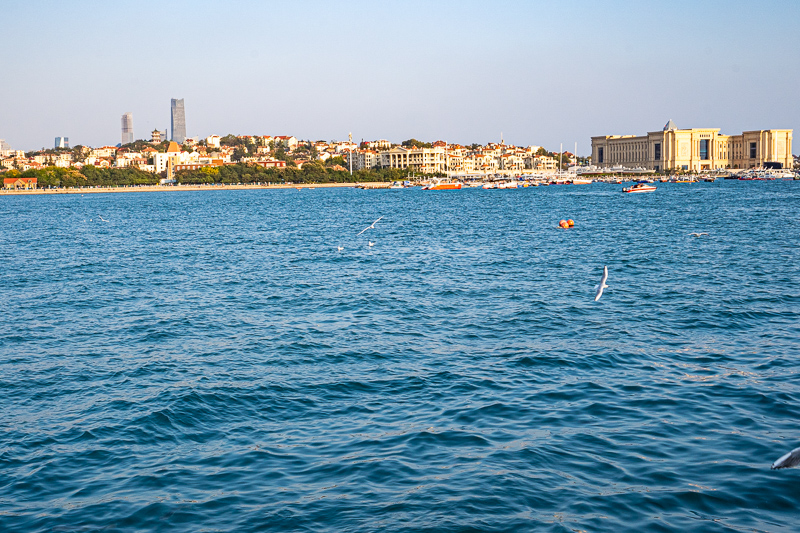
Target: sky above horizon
[539,73]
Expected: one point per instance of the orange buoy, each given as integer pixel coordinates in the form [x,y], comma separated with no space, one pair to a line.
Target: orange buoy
[571,222]
[563,224]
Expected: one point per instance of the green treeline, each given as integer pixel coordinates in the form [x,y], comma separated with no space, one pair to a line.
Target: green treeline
[87,176]
[314,172]
[310,173]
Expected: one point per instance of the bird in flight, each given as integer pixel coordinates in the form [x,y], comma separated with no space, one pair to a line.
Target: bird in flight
[101,218]
[602,284]
[340,248]
[788,461]
[371,243]
[371,226]
[698,234]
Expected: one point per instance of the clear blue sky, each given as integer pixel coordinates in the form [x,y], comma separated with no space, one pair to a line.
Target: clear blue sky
[540,72]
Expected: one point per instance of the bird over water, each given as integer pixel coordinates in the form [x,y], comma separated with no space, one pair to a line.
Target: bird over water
[602,284]
[371,226]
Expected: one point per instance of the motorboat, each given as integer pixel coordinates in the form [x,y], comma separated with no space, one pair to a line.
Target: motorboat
[439,184]
[639,187]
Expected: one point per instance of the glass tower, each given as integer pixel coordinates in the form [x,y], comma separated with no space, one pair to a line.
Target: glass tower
[177,121]
[127,128]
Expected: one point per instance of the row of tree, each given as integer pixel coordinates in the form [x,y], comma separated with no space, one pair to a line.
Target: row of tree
[312,172]
[87,176]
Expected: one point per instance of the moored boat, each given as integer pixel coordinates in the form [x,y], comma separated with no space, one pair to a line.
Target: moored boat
[440,184]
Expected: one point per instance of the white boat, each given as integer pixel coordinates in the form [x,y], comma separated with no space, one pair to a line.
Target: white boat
[639,187]
[440,184]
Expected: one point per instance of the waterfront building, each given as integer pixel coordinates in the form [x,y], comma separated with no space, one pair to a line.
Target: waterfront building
[425,160]
[19,183]
[364,159]
[177,121]
[127,128]
[694,149]
[62,142]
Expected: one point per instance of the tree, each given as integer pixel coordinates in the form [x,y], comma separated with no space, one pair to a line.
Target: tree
[419,144]
[238,153]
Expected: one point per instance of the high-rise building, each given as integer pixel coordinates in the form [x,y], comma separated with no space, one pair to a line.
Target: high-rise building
[4,145]
[127,128]
[62,142]
[178,121]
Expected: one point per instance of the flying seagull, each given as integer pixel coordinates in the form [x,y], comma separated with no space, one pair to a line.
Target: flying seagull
[371,243]
[698,234]
[788,461]
[340,248]
[101,218]
[602,284]
[371,226]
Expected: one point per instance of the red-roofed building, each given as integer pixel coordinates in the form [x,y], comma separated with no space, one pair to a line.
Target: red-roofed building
[19,183]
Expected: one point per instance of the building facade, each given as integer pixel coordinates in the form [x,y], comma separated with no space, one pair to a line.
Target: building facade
[62,142]
[177,121]
[127,128]
[694,150]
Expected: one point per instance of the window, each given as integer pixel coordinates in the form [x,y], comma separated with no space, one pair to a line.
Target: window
[657,151]
[600,154]
[703,148]
[752,150]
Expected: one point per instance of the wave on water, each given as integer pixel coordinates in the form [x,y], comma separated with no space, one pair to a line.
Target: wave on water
[211,360]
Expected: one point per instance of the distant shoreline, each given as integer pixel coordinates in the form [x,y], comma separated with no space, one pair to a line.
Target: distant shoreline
[183,187]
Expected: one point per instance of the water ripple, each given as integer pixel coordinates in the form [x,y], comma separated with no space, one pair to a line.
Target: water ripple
[210,361]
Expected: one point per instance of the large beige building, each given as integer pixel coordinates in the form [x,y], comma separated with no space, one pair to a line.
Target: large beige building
[694,149]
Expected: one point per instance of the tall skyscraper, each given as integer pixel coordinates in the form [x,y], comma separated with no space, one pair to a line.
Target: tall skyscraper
[127,128]
[62,142]
[4,145]
[178,121]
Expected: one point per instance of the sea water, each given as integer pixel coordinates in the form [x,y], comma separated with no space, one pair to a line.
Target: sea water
[211,361]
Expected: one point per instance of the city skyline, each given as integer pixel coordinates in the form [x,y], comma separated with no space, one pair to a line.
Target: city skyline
[461,72]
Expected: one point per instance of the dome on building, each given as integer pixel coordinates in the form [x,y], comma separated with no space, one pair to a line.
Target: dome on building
[670,126]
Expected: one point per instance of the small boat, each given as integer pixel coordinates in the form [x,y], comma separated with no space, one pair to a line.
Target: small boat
[639,187]
[440,185]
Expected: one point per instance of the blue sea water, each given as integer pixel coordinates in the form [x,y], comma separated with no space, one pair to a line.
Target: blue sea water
[209,361]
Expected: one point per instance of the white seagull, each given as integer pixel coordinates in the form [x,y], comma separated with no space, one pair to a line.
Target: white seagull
[602,284]
[340,248]
[698,234]
[371,226]
[788,461]
[101,218]
[371,243]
